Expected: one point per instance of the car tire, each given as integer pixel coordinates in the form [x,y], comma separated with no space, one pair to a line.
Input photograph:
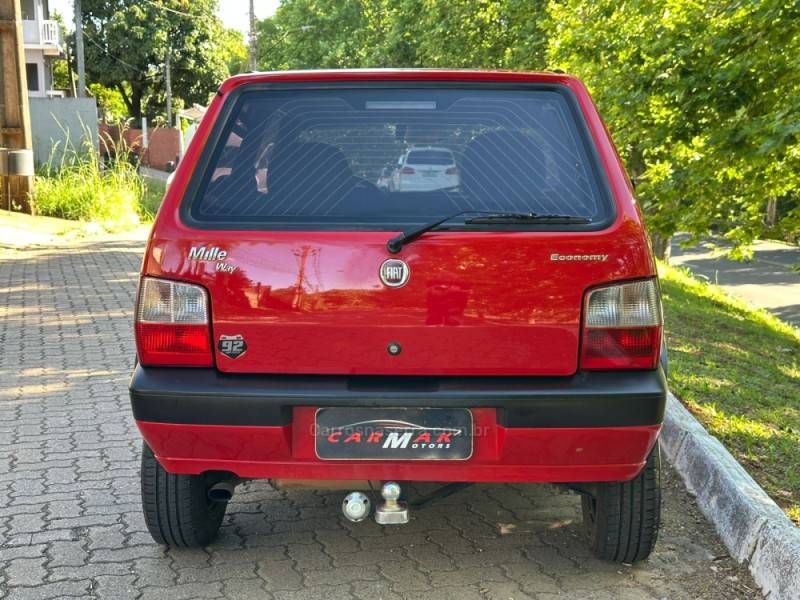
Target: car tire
[622,518]
[176,508]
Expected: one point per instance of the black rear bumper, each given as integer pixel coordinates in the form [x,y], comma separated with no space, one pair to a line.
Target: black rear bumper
[208,397]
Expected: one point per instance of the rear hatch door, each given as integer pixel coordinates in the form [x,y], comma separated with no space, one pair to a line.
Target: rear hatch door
[289,233]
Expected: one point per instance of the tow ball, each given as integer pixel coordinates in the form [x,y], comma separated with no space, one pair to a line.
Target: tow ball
[356,506]
[392,511]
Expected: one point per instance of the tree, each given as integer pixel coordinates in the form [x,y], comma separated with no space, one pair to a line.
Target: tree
[488,34]
[703,99]
[234,51]
[403,33]
[306,34]
[127,43]
[109,101]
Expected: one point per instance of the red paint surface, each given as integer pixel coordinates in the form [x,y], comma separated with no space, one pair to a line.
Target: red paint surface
[500,454]
[475,303]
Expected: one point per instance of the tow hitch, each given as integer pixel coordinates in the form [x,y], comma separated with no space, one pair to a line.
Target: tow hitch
[392,511]
[356,505]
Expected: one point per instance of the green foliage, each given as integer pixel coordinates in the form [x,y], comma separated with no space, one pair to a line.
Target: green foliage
[61,68]
[738,371]
[81,187]
[127,42]
[61,75]
[234,51]
[403,33]
[316,34]
[702,98]
[109,102]
[500,34]
[153,194]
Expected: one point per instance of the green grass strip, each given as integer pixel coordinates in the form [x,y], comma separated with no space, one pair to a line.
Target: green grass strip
[738,371]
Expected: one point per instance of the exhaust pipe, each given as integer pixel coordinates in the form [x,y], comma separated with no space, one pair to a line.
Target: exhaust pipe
[222,491]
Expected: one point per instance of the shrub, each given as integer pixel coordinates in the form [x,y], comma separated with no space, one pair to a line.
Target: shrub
[84,187]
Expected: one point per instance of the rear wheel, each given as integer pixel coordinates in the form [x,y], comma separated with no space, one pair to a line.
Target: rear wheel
[177,510]
[622,519]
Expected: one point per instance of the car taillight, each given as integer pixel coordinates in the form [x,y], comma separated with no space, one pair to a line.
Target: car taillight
[622,327]
[451,171]
[407,170]
[172,327]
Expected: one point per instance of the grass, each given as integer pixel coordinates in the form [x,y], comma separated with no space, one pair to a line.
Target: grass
[151,198]
[738,370]
[80,186]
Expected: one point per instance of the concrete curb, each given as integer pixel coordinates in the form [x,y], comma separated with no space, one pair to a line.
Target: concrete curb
[751,525]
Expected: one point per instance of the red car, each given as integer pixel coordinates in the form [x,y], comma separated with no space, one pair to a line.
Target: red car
[296,323]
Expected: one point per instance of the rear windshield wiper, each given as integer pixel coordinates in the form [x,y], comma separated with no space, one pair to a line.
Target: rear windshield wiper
[396,244]
[528,218]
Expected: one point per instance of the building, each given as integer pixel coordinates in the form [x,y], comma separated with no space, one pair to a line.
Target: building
[58,124]
[42,40]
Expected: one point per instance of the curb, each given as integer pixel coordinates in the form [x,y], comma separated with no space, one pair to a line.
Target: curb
[751,525]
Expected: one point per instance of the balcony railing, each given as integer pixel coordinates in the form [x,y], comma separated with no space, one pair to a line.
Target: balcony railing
[50,33]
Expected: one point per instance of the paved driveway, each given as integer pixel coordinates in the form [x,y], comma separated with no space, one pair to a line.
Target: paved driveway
[767,281]
[70,522]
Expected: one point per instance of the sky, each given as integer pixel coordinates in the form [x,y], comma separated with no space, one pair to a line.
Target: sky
[234,13]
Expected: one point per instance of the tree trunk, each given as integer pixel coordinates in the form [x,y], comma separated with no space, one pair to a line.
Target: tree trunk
[133,102]
[772,211]
[661,245]
[125,99]
[136,101]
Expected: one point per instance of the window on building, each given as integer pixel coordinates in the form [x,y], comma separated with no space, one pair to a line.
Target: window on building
[32,72]
[28,10]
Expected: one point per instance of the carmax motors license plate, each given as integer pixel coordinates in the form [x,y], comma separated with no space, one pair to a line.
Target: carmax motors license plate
[344,433]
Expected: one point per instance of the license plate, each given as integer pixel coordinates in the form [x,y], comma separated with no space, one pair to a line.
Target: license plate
[344,433]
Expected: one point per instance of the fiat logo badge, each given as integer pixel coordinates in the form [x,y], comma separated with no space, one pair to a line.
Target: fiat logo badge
[394,272]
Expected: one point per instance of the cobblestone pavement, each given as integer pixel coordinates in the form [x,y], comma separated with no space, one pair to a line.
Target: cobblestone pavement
[70,522]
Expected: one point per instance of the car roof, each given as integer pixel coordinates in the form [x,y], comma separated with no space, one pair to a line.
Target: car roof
[330,75]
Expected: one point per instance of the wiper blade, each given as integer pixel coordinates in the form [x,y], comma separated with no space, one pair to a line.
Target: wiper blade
[396,244]
[528,218]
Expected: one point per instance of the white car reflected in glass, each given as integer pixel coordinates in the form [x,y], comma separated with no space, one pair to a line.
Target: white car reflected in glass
[424,170]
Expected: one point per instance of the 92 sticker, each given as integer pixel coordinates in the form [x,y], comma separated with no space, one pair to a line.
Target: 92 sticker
[232,346]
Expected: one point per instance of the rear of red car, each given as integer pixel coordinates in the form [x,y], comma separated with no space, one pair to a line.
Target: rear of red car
[297,322]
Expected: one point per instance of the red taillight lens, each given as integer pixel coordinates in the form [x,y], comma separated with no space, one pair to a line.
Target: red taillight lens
[451,171]
[171,345]
[172,324]
[620,348]
[407,171]
[622,327]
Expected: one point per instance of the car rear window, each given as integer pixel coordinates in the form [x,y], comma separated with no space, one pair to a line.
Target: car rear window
[429,157]
[332,158]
